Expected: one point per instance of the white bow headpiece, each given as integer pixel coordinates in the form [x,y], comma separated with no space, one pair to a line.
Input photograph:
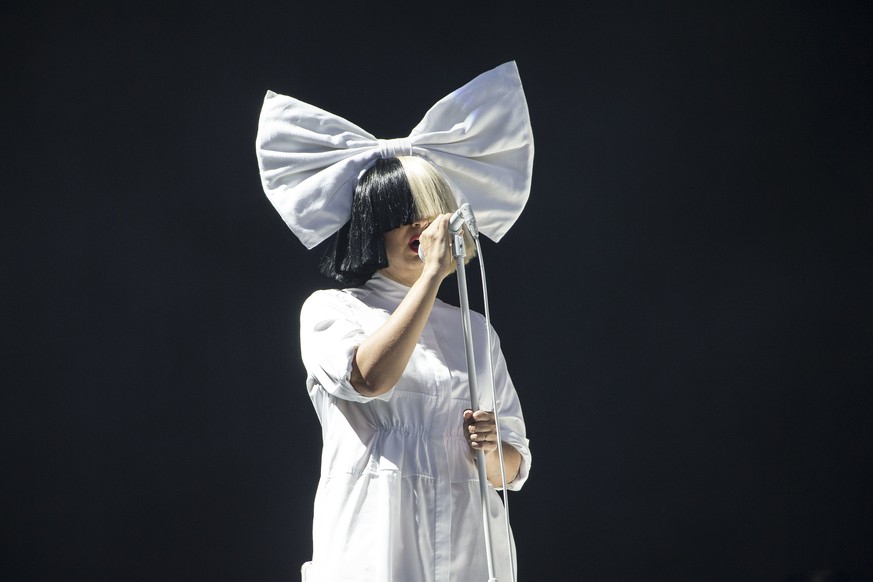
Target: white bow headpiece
[479,137]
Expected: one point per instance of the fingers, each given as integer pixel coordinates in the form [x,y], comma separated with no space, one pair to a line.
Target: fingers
[438,227]
[436,243]
[487,444]
[481,430]
[436,235]
[480,415]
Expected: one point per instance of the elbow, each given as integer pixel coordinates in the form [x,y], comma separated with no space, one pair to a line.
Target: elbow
[369,387]
[370,391]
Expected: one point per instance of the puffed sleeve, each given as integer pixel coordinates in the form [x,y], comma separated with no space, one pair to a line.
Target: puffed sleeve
[329,337]
[511,419]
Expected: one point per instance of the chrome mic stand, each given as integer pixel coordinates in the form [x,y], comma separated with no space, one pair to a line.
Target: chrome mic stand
[459,253]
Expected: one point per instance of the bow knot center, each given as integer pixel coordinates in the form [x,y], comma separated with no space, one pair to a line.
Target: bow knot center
[392,148]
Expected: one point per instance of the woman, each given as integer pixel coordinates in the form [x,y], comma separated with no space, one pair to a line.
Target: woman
[398,498]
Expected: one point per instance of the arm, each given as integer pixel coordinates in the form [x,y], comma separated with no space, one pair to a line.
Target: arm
[511,464]
[380,359]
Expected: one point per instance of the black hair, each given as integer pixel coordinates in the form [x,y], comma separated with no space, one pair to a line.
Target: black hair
[382,201]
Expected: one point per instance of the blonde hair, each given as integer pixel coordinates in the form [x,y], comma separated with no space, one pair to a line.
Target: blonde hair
[432,195]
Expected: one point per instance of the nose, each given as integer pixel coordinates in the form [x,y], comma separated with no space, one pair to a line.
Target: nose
[421,223]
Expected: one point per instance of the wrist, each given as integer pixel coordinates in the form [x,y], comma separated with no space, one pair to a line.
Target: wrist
[431,275]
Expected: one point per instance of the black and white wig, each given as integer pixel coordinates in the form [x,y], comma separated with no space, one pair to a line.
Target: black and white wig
[391,193]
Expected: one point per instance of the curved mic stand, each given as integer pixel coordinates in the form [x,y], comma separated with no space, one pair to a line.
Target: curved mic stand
[459,252]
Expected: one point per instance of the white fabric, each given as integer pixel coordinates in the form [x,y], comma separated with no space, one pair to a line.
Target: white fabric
[398,498]
[479,137]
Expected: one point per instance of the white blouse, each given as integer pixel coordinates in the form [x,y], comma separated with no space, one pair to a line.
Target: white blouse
[398,498]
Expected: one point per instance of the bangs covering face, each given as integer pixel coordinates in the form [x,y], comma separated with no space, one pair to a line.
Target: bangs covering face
[391,193]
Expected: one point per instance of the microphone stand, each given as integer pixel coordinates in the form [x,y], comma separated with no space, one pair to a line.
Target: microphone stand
[459,253]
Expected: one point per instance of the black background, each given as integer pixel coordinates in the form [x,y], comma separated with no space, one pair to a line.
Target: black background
[684,302]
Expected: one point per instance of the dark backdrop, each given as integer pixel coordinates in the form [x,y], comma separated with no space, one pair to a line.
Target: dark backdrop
[684,303]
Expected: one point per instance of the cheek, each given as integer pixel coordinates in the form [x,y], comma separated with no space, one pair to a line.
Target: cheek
[394,246]
[396,242]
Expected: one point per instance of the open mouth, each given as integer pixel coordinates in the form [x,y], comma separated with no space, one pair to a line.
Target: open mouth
[414,244]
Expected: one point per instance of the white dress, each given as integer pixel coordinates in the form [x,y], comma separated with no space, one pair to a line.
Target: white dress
[398,498]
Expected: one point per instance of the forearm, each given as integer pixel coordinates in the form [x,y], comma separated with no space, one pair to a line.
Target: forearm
[511,465]
[381,358]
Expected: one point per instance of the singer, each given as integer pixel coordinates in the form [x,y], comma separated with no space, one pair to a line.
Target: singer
[398,496]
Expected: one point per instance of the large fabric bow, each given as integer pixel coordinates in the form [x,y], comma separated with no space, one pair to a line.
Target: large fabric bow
[479,137]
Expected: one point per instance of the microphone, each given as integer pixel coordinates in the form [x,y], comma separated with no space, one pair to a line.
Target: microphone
[460,217]
[470,220]
[456,222]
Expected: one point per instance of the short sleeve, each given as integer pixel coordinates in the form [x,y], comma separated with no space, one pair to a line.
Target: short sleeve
[329,338]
